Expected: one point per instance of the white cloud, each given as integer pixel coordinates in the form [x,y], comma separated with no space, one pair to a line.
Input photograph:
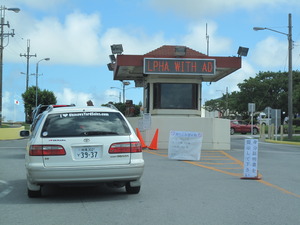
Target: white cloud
[77,39]
[80,39]
[133,41]
[69,96]
[270,53]
[74,42]
[229,83]
[196,37]
[11,111]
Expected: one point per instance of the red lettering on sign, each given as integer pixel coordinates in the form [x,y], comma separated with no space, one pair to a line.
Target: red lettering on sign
[194,67]
[158,66]
[149,66]
[155,65]
[185,66]
[210,67]
[177,66]
[204,67]
[207,67]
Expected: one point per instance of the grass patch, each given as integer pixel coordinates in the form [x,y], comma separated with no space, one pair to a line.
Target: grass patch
[26,125]
[294,139]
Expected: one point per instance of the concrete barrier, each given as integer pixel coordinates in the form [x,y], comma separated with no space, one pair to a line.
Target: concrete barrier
[10,133]
[216,132]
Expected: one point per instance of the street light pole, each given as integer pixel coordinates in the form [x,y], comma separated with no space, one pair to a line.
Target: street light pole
[36,76]
[290,82]
[2,34]
[290,72]
[124,83]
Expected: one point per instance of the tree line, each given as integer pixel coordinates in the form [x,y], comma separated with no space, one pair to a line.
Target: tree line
[266,89]
[46,97]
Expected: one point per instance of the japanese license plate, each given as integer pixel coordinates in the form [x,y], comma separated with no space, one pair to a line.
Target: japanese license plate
[87,152]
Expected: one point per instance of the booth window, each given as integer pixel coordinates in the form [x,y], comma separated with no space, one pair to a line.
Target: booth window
[175,96]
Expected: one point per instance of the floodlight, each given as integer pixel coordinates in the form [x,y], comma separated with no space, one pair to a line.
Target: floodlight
[243,51]
[110,66]
[180,50]
[116,49]
[112,58]
[258,28]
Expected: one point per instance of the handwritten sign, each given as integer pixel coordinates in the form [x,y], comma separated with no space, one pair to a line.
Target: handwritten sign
[250,158]
[185,145]
[179,66]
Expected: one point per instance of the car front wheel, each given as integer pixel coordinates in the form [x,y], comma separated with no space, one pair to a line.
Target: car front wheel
[231,131]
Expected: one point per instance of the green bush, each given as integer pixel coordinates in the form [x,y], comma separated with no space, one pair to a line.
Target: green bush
[296,122]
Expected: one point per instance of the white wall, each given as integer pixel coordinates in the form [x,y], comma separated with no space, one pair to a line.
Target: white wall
[216,132]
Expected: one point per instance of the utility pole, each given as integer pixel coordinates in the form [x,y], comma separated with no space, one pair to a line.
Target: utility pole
[28,56]
[2,36]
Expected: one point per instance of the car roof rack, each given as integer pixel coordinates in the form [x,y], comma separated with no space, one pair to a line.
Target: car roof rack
[51,107]
[109,105]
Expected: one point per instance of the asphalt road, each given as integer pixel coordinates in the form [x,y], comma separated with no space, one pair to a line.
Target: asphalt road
[208,191]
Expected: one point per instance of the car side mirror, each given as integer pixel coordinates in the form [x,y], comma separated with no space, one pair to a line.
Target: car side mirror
[24,133]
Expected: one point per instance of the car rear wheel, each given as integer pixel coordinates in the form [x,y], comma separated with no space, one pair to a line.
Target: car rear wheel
[132,190]
[231,131]
[34,194]
[255,131]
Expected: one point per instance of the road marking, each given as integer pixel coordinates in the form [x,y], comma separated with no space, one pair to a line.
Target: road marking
[7,190]
[224,160]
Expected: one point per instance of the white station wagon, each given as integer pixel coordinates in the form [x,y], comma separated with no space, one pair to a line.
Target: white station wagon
[71,145]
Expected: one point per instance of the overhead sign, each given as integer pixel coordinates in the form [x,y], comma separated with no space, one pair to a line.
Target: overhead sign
[179,66]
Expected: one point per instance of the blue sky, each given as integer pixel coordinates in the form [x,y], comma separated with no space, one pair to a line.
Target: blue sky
[76,35]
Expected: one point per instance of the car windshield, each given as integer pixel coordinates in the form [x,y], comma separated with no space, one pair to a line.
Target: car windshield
[84,124]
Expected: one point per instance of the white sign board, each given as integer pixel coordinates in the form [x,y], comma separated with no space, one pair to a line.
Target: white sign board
[251,107]
[185,145]
[250,158]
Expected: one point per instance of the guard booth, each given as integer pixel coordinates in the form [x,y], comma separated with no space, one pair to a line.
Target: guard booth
[172,77]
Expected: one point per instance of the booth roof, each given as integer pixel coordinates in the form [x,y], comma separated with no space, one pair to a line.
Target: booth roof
[130,67]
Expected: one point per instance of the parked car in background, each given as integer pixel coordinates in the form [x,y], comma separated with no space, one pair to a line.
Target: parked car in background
[240,126]
[38,110]
[41,108]
[70,145]
[36,113]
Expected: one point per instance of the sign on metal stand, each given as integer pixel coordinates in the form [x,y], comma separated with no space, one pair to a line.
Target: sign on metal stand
[251,159]
[251,110]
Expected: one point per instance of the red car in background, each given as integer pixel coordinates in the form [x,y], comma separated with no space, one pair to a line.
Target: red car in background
[240,126]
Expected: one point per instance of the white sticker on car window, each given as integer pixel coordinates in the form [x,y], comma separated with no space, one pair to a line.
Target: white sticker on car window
[64,115]
[45,133]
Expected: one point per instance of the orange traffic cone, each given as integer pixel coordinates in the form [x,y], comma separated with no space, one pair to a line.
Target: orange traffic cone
[153,144]
[138,133]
